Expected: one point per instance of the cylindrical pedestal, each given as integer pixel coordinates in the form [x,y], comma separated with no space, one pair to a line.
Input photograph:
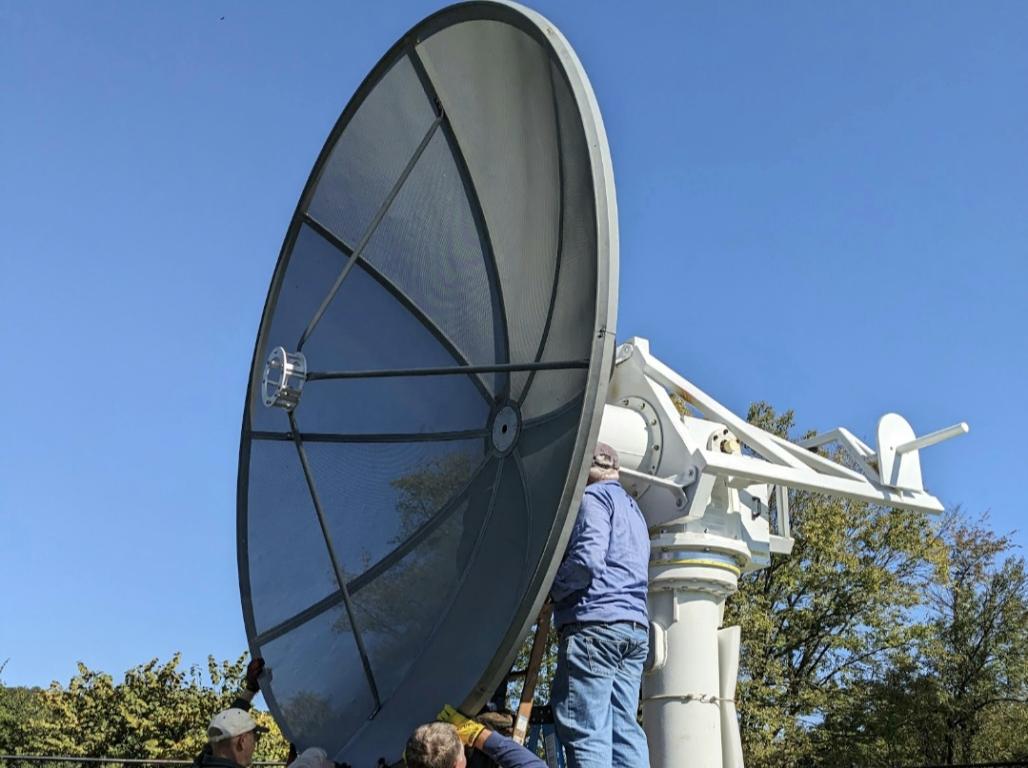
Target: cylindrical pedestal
[681,713]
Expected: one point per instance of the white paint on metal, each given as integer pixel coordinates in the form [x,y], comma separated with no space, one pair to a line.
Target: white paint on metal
[728,641]
[709,518]
[633,426]
[897,470]
[934,437]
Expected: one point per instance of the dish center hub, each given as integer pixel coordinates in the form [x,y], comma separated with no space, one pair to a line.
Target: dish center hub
[506,427]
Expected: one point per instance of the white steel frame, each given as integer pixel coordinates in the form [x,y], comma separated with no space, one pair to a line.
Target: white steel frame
[704,481]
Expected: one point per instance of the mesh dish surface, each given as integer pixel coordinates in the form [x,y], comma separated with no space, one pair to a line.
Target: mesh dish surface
[461,214]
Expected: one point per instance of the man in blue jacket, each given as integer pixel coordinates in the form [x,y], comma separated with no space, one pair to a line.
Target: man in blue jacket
[599,609]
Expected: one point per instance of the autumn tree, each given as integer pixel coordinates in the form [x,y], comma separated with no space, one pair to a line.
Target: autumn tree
[156,711]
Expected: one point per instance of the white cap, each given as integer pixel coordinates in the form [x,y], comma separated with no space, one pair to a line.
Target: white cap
[231,722]
[312,757]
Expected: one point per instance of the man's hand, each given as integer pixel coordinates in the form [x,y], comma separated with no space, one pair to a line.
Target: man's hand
[253,671]
[467,729]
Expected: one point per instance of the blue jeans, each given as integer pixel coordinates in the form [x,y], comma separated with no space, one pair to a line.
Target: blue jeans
[595,695]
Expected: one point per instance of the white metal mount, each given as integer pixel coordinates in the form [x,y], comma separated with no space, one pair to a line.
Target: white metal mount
[714,491]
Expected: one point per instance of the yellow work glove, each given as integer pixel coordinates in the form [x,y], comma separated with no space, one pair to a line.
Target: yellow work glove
[467,729]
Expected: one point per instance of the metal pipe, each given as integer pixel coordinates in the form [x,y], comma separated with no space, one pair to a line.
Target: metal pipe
[934,437]
[448,370]
[660,482]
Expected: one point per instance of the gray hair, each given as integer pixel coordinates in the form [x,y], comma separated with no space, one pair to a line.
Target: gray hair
[596,474]
[605,463]
[435,745]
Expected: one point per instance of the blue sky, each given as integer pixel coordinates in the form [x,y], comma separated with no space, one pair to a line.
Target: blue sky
[821,205]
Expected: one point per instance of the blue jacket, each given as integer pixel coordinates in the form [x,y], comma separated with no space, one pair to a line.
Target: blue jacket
[604,572]
[506,753]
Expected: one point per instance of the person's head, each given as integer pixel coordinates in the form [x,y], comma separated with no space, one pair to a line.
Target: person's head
[605,464]
[312,757]
[435,745]
[233,735]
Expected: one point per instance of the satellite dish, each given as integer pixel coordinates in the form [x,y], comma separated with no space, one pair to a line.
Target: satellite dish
[434,360]
[430,369]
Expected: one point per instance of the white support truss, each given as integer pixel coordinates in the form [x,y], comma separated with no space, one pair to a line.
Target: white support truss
[705,481]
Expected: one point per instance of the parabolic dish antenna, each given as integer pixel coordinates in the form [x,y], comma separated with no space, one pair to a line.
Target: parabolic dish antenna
[430,369]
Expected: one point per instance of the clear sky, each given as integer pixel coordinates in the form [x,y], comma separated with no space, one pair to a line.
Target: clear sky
[824,205]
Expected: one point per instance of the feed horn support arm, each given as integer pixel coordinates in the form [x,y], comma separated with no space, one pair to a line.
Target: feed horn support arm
[714,491]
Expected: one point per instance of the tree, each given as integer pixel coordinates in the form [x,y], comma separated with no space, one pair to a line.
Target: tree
[818,624]
[18,706]
[959,693]
[978,649]
[157,711]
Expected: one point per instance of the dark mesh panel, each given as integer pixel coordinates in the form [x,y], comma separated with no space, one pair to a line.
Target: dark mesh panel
[428,246]
[320,693]
[375,495]
[289,565]
[312,268]
[366,327]
[482,607]
[396,338]
[393,405]
[545,450]
[552,391]
[569,337]
[488,597]
[504,121]
[402,607]
[370,154]
[452,661]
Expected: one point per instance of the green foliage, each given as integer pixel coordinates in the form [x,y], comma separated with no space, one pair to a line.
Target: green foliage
[881,641]
[819,622]
[959,693]
[156,711]
[547,670]
[18,707]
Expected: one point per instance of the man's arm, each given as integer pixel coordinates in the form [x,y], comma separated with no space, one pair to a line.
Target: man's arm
[505,752]
[251,686]
[587,551]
